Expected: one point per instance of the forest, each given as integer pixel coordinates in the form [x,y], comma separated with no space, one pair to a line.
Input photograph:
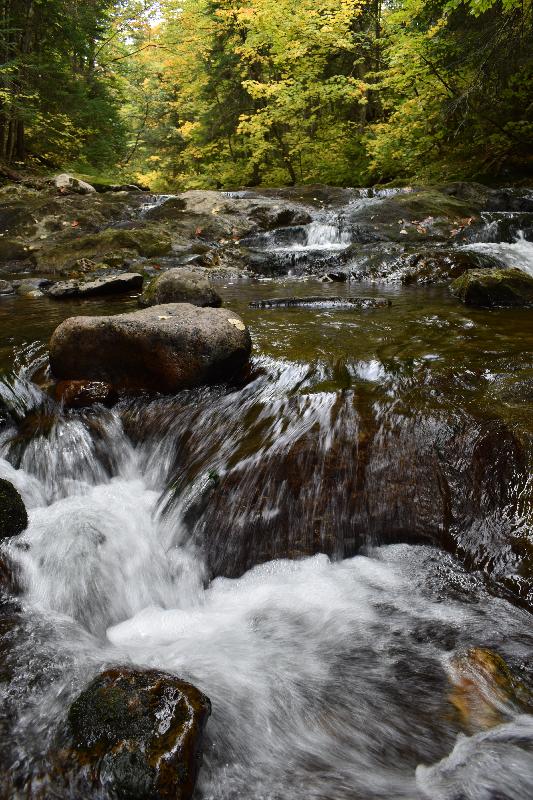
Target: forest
[219,94]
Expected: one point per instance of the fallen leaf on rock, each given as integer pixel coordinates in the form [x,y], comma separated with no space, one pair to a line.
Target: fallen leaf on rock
[164,316]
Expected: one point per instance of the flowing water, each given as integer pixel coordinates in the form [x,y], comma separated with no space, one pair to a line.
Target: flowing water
[303,546]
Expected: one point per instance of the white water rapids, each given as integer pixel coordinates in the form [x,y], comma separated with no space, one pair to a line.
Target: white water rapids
[517,254]
[328,680]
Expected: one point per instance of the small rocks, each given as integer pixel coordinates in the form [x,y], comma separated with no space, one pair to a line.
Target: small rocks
[6,287]
[66,183]
[181,286]
[322,302]
[159,349]
[494,287]
[13,515]
[136,734]
[112,284]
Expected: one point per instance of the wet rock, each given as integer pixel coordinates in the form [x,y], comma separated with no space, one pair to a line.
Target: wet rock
[6,287]
[112,284]
[335,277]
[13,515]
[442,266]
[486,692]
[148,241]
[410,216]
[495,287]
[28,286]
[68,183]
[81,394]
[159,349]
[136,734]
[181,286]
[218,217]
[322,302]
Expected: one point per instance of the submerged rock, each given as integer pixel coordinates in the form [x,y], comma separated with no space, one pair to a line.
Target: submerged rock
[495,287]
[13,514]
[159,349]
[486,692]
[81,394]
[136,734]
[181,286]
[323,302]
[112,284]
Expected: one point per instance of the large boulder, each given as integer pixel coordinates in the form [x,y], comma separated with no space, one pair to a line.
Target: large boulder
[68,183]
[161,349]
[110,284]
[214,216]
[135,734]
[181,286]
[494,287]
[13,515]
[411,216]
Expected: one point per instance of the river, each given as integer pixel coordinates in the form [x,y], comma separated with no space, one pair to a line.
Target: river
[286,543]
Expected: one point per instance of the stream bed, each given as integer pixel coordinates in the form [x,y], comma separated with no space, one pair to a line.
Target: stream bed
[312,546]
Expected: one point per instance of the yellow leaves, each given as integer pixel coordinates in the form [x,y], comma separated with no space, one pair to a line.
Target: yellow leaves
[188,129]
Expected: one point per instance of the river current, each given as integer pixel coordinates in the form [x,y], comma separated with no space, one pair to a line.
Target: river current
[330,673]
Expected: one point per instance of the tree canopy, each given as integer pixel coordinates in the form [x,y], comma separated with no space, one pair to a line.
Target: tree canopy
[228,93]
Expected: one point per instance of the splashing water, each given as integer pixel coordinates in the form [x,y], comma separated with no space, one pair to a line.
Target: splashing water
[516,254]
[328,680]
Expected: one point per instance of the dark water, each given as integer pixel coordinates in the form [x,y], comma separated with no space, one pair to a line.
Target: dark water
[386,452]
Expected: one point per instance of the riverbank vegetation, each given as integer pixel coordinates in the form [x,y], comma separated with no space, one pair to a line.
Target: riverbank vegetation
[226,93]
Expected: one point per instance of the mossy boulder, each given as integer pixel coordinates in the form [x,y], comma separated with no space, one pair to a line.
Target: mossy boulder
[181,286]
[148,241]
[13,515]
[136,735]
[494,287]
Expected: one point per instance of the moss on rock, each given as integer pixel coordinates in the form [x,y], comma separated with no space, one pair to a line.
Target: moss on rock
[139,733]
[13,515]
[494,287]
[149,241]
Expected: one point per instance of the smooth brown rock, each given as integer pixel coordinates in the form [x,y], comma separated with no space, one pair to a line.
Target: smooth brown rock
[181,286]
[159,349]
